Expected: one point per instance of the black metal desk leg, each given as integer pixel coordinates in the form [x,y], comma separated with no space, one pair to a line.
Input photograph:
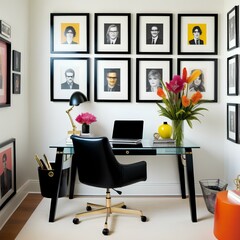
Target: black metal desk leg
[191,187]
[181,176]
[58,174]
[73,177]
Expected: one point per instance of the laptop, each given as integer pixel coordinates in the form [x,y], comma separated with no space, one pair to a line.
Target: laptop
[127,131]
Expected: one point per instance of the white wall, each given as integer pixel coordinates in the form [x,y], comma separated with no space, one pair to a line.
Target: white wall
[36,122]
[14,120]
[49,122]
[231,150]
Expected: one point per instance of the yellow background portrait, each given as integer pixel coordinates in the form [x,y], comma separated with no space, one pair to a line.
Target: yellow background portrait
[203,27]
[76,26]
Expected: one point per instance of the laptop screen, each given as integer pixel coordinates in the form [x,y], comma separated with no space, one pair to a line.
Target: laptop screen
[128,129]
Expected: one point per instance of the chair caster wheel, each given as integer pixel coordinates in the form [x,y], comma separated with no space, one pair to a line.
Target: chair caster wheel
[124,206]
[105,231]
[76,221]
[88,208]
[143,218]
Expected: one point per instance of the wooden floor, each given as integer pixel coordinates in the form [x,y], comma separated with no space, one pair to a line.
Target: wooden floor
[20,217]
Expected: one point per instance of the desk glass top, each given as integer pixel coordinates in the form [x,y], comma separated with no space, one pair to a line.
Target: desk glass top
[145,147]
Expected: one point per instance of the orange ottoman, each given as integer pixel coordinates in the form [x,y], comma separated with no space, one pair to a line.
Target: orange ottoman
[226,218]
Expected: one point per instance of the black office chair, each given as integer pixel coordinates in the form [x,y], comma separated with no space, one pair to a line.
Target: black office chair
[98,167]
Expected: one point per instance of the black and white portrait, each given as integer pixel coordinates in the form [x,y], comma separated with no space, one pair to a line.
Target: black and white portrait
[112,80]
[154,77]
[112,33]
[198,83]
[154,33]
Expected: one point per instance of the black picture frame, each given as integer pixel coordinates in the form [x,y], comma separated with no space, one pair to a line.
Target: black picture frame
[160,68]
[16,64]
[7,162]
[146,22]
[77,24]
[209,76]
[206,25]
[78,68]
[233,28]
[120,69]
[16,83]
[5,71]
[5,29]
[106,23]
[233,75]
[233,111]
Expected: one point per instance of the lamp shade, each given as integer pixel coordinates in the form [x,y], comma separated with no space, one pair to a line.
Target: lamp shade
[77,98]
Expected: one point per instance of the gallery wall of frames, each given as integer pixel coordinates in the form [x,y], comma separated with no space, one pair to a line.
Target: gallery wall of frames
[112,36]
[233,109]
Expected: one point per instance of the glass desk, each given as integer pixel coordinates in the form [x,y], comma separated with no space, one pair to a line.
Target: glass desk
[183,153]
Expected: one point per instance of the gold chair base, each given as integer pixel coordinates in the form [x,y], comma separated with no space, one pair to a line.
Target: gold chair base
[108,209]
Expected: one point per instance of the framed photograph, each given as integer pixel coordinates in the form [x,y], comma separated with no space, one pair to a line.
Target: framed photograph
[16,78]
[154,33]
[150,72]
[112,33]
[233,75]
[5,71]
[16,61]
[69,32]
[5,29]
[67,76]
[233,28]
[233,122]
[112,80]
[7,171]
[207,82]
[197,34]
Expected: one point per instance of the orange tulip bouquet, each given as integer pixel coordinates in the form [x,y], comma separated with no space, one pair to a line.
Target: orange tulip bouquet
[180,105]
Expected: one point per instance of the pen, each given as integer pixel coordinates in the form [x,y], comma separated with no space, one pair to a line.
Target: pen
[39,161]
[47,162]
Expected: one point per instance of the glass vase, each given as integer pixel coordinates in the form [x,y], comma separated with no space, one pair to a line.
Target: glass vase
[178,131]
[85,128]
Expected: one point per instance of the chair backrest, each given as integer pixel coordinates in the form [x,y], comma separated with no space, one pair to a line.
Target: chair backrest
[96,163]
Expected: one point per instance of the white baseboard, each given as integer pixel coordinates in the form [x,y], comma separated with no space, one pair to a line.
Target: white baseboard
[141,189]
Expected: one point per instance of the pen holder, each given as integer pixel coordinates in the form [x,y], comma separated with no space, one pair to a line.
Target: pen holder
[48,182]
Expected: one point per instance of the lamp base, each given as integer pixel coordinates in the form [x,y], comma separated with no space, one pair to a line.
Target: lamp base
[75,132]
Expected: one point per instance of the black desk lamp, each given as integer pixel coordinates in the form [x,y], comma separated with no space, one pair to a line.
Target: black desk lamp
[76,99]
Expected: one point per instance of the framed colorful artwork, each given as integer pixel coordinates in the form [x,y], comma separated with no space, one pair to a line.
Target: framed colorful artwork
[5,71]
[7,171]
[69,32]
[197,34]
[112,80]
[154,33]
[67,76]
[112,33]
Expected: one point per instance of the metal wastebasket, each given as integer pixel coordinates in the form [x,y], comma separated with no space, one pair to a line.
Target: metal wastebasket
[210,188]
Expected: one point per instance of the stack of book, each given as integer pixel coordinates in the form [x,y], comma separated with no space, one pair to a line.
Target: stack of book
[164,141]
[234,195]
